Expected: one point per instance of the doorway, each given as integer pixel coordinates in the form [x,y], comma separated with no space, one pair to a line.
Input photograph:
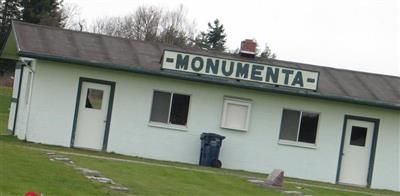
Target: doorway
[92,114]
[357,151]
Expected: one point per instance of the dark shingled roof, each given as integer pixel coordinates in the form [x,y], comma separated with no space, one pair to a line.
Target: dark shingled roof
[144,57]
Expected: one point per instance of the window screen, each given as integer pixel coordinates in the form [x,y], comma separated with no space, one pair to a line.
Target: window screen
[170,108]
[299,126]
[358,136]
[94,98]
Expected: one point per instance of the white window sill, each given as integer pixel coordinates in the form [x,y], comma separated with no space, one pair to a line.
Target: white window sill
[234,129]
[297,144]
[168,126]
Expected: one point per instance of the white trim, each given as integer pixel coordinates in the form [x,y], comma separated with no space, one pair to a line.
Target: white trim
[299,125]
[298,144]
[168,126]
[247,52]
[171,97]
[242,102]
[285,142]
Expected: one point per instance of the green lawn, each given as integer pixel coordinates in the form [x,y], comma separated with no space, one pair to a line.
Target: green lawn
[5,98]
[23,169]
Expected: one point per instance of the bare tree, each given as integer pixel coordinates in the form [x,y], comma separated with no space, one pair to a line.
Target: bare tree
[108,26]
[150,23]
[72,19]
[145,23]
[127,27]
[175,28]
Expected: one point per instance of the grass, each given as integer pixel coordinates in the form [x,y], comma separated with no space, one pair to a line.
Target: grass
[5,99]
[23,169]
[155,180]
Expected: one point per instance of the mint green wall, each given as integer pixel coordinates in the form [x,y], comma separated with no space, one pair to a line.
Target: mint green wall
[53,104]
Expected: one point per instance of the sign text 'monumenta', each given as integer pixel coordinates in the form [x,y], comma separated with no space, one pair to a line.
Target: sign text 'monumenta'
[249,71]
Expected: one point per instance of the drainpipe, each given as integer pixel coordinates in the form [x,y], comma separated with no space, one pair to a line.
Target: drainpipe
[23,62]
[20,66]
[31,67]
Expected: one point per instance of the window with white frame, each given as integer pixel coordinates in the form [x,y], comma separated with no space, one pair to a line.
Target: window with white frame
[170,108]
[299,126]
[236,114]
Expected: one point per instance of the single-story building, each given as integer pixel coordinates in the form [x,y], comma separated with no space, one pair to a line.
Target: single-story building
[147,99]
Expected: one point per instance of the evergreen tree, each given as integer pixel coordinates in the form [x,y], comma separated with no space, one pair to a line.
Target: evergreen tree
[213,39]
[45,12]
[9,10]
[216,36]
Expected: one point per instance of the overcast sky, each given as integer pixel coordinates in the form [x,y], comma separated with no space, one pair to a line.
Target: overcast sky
[360,35]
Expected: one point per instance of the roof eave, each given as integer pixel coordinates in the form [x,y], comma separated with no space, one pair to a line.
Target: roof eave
[213,80]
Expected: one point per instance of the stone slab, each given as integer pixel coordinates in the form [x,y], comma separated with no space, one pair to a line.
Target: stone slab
[275,178]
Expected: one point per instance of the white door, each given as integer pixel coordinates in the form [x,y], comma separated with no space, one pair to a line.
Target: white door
[356,152]
[92,116]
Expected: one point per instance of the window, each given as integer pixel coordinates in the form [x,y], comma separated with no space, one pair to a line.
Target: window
[170,108]
[299,126]
[358,136]
[236,114]
[94,99]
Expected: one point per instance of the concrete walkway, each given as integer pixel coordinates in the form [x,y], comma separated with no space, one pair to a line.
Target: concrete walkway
[198,170]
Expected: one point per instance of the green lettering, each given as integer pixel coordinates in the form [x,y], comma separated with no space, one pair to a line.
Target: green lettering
[182,62]
[287,72]
[242,70]
[256,72]
[298,79]
[213,66]
[197,64]
[272,75]
[230,71]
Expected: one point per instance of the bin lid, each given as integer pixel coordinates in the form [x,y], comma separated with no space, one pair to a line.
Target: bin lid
[210,136]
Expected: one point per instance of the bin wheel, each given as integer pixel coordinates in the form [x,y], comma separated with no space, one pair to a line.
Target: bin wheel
[217,163]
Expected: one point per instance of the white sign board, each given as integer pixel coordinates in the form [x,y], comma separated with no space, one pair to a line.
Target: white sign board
[241,70]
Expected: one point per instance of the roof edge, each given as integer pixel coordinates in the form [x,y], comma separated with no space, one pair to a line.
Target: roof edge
[212,80]
[210,52]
